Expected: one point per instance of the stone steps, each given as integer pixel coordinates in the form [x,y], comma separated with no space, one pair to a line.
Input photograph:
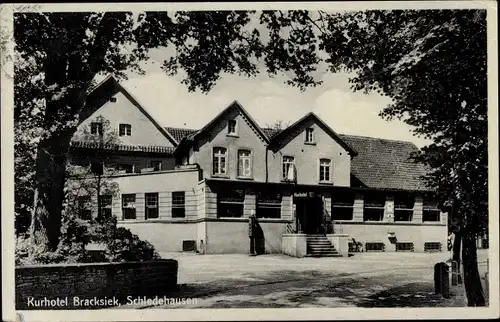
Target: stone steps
[320,246]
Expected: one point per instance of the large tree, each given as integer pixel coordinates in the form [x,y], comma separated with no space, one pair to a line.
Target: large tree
[431,63]
[58,58]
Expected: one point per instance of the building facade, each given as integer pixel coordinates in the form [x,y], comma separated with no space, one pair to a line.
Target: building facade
[186,189]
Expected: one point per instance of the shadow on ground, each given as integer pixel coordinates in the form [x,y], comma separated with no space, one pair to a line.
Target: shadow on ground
[312,289]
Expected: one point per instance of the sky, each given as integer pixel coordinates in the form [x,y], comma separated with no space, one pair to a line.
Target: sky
[267,100]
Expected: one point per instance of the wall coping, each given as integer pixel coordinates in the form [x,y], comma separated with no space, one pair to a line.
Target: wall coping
[396,223]
[75,265]
[199,220]
[177,170]
[294,235]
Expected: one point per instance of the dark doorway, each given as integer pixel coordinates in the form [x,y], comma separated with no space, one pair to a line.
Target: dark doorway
[309,214]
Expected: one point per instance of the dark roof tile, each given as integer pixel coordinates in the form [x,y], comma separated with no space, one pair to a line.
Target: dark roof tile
[270,132]
[179,133]
[123,147]
[386,164]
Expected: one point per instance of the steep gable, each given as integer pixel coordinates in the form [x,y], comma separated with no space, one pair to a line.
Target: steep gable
[234,107]
[112,101]
[284,136]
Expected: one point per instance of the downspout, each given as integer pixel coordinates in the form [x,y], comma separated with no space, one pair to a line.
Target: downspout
[267,167]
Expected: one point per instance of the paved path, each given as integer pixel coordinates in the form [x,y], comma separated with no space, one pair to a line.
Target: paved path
[271,281]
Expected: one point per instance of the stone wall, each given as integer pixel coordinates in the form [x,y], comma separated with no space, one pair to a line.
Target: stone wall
[37,286]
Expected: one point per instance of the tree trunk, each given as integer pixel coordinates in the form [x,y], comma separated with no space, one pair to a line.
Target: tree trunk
[472,280]
[49,189]
[457,243]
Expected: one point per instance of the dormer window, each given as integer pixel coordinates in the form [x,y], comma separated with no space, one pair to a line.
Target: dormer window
[96,128]
[125,130]
[309,135]
[231,127]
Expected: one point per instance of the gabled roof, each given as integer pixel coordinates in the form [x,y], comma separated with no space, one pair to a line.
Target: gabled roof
[111,84]
[379,163]
[234,105]
[276,139]
[386,164]
[179,133]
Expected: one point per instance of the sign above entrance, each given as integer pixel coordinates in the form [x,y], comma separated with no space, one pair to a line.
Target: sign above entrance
[304,194]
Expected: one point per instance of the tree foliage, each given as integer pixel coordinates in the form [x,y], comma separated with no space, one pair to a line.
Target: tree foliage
[77,233]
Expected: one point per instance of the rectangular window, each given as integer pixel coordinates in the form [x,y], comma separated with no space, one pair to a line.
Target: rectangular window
[105,203]
[156,165]
[309,135]
[244,163]
[126,168]
[403,207]
[178,204]
[231,127]
[325,170]
[373,208]
[84,208]
[404,247]
[269,204]
[432,247]
[96,128]
[230,203]
[219,161]
[430,211]
[128,206]
[288,163]
[125,130]
[342,205]
[112,99]
[151,211]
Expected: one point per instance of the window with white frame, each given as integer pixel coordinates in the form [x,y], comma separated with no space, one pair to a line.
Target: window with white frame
[309,135]
[125,129]
[403,207]
[288,163]
[96,128]
[244,163]
[128,206]
[231,127]
[84,208]
[325,167]
[219,161]
[178,204]
[151,211]
[105,203]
